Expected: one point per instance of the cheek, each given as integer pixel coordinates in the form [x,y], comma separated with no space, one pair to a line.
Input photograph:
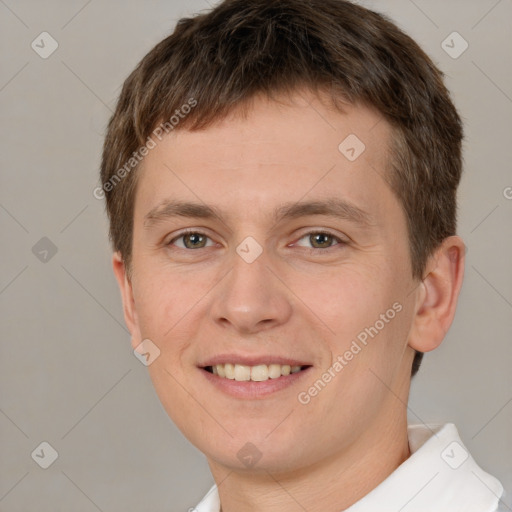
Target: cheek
[166,317]
[163,301]
[348,298]
[368,314]
[164,307]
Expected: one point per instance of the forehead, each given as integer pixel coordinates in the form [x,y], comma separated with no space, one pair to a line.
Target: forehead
[296,148]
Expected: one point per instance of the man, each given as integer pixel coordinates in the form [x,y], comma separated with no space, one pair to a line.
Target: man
[281,182]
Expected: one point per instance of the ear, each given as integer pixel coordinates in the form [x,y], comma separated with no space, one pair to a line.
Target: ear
[125,286]
[437,295]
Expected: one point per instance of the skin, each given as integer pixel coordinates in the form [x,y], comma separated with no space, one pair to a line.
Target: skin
[297,299]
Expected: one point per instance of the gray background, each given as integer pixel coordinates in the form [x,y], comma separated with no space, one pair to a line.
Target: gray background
[67,372]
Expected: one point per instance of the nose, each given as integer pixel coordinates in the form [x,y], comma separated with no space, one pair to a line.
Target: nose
[252,298]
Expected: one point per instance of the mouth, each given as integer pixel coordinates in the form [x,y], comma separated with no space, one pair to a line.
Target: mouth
[254,381]
[257,373]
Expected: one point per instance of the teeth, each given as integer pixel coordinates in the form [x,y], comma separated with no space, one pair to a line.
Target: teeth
[229,370]
[274,371]
[242,372]
[258,373]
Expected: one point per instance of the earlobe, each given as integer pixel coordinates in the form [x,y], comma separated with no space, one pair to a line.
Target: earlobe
[126,289]
[437,295]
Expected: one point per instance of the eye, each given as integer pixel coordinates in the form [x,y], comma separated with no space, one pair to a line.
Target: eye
[191,240]
[197,240]
[321,239]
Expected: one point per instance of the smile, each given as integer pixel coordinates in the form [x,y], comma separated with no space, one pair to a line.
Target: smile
[257,373]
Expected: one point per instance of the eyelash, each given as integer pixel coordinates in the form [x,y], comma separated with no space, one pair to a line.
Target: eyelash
[339,241]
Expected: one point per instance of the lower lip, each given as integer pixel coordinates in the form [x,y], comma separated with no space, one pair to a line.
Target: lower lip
[251,389]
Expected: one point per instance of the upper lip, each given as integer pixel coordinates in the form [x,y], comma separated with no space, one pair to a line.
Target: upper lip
[251,360]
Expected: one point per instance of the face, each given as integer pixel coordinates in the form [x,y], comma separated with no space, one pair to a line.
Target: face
[294,271]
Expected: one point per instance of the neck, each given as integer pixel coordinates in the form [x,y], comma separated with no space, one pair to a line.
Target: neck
[329,485]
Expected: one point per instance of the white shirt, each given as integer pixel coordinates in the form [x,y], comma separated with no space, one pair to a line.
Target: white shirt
[439,476]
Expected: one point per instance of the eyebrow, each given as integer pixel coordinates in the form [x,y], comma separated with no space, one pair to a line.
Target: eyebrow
[333,207]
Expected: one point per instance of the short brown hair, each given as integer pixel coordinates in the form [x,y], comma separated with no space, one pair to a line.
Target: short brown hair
[223,58]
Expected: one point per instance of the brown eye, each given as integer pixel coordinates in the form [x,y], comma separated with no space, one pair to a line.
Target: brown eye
[190,240]
[194,240]
[321,240]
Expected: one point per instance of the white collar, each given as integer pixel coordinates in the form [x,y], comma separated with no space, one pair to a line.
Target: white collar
[440,475]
